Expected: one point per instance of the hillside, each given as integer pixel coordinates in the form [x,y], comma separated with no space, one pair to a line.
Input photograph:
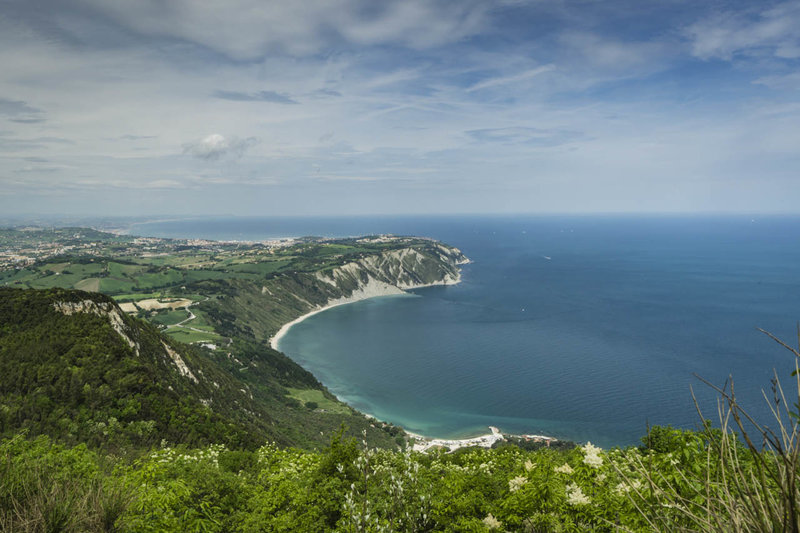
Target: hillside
[292,275]
[73,365]
[257,309]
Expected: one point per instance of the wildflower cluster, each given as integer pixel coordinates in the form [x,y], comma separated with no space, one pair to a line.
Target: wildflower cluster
[564,469]
[352,487]
[575,495]
[173,456]
[517,483]
[592,455]
[491,522]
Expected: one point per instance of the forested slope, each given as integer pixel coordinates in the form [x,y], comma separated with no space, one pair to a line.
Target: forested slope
[73,366]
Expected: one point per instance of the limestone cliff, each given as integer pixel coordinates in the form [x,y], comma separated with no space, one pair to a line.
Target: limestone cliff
[392,271]
[262,310]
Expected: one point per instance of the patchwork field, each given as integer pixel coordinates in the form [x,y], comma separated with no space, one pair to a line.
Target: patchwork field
[158,279]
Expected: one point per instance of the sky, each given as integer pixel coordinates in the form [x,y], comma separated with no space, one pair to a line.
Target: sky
[320,107]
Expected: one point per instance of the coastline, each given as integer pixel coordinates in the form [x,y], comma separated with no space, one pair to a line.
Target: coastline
[419,443]
[422,444]
[275,339]
[371,290]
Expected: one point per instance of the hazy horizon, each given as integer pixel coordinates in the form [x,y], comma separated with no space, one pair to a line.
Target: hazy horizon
[162,217]
[348,107]
[128,224]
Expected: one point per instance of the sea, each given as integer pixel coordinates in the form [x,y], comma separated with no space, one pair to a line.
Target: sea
[585,328]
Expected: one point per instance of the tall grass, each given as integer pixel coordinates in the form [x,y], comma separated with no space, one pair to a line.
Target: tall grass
[749,479]
[46,488]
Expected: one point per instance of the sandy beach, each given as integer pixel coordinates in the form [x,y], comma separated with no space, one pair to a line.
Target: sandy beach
[373,289]
[423,444]
[275,339]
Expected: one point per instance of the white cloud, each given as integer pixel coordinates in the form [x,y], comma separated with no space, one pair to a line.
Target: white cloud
[249,29]
[774,32]
[337,177]
[613,54]
[514,78]
[416,23]
[515,120]
[258,96]
[524,135]
[215,146]
[780,81]
[163,184]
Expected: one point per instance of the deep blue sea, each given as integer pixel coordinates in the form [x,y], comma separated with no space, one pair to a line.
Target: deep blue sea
[584,328]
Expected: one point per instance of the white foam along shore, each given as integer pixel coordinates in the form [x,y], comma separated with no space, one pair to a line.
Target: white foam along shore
[423,444]
[372,289]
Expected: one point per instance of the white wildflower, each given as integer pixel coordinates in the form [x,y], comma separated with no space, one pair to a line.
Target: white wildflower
[517,483]
[564,469]
[575,495]
[529,465]
[592,455]
[623,487]
[491,522]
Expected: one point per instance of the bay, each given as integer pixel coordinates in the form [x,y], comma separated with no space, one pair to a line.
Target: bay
[579,327]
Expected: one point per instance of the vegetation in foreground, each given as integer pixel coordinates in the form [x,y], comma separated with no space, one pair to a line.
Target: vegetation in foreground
[48,487]
[713,479]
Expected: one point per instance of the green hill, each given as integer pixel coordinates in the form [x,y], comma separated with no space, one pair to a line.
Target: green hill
[75,367]
[201,370]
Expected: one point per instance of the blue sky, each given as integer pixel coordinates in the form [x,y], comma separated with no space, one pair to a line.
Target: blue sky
[140,107]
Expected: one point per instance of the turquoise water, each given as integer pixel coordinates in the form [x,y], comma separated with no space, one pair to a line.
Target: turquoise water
[586,328]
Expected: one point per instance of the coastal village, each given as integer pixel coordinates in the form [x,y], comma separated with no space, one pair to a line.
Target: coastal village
[23,247]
